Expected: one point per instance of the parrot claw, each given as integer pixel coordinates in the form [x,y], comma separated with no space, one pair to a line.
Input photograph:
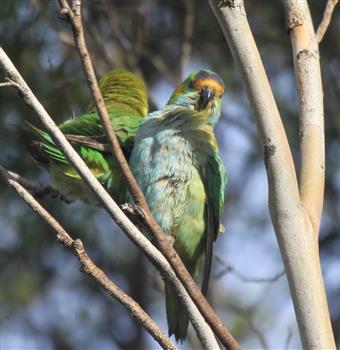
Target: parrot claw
[127,208]
[133,209]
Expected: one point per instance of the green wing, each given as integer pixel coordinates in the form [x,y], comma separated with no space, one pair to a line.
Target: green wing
[45,152]
[87,131]
[126,100]
[86,135]
[124,124]
[214,178]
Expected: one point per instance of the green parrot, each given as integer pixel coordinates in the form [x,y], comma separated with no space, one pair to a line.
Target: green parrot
[126,100]
[176,162]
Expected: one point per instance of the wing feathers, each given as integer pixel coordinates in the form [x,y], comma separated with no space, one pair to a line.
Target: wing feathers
[214,178]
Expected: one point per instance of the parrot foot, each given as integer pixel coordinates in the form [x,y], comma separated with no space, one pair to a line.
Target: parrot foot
[136,214]
[133,209]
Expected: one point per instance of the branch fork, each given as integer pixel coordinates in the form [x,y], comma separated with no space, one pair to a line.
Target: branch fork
[295,208]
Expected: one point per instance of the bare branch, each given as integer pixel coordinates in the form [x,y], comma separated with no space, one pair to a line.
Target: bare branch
[7,84]
[259,334]
[326,20]
[203,330]
[162,241]
[292,223]
[37,189]
[63,36]
[288,339]
[312,311]
[227,268]
[309,86]
[88,266]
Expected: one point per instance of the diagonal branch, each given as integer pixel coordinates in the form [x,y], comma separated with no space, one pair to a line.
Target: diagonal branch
[88,266]
[37,189]
[326,20]
[163,243]
[202,329]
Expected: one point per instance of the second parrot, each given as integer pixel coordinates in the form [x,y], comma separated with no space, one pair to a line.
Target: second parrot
[126,100]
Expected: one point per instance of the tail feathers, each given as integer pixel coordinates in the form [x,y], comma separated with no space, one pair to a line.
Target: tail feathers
[41,146]
[176,314]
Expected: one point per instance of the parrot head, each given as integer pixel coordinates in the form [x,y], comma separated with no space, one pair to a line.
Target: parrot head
[201,91]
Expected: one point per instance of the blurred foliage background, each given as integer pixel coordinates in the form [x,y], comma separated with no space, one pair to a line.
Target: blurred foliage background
[46,303]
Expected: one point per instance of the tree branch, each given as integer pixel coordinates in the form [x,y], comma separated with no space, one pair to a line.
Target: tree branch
[202,329]
[292,223]
[37,189]
[308,81]
[227,268]
[88,266]
[162,241]
[312,147]
[326,20]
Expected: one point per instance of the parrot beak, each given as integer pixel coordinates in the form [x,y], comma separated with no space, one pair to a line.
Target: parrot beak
[206,96]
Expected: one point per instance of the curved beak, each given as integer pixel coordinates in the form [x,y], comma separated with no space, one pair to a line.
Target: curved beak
[206,96]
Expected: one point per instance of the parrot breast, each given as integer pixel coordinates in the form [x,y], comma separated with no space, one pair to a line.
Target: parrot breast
[164,162]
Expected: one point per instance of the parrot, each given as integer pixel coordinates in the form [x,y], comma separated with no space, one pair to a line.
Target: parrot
[126,99]
[176,162]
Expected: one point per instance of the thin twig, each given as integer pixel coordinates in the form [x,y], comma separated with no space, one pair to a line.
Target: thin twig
[227,268]
[37,189]
[63,36]
[258,333]
[88,266]
[288,339]
[162,241]
[326,20]
[6,84]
